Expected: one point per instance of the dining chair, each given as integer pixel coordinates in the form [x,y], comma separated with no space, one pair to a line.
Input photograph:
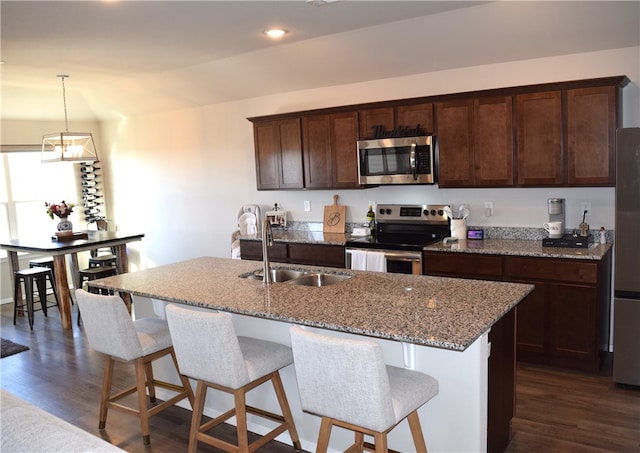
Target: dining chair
[209,351]
[111,331]
[347,383]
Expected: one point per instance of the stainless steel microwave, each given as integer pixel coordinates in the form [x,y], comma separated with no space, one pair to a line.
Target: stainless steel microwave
[402,160]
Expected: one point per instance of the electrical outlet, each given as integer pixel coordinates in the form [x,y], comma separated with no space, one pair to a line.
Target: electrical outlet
[307,206]
[585,206]
[488,208]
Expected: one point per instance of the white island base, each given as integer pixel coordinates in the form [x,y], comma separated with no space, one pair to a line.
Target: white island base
[453,421]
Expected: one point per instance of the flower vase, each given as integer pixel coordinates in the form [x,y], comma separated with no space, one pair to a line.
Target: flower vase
[65,226]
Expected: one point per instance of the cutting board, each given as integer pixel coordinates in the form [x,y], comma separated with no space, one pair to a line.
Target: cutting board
[334,217]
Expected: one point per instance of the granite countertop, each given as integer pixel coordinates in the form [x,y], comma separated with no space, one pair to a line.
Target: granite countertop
[517,247]
[520,248]
[433,311]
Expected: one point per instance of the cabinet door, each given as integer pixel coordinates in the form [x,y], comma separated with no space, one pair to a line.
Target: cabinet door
[372,119]
[493,141]
[278,148]
[413,116]
[454,127]
[574,324]
[344,154]
[591,127]
[531,325]
[539,139]
[317,151]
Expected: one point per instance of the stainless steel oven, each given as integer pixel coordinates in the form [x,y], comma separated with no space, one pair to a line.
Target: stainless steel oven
[399,261]
[401,233]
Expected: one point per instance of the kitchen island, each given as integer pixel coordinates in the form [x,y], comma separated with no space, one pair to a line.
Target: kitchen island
[437,325]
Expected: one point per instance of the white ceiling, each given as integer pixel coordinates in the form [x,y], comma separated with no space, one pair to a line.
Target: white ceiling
[136,57]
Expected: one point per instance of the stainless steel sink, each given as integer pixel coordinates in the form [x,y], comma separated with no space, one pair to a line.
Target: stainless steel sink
[319,279]
[277,275]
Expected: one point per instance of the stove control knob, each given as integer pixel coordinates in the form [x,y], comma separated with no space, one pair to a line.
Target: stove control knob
[440,212]
[425,212]
[433,212]
[381,211]
[388,211]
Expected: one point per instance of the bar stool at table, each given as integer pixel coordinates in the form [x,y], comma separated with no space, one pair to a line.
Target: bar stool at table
[209,351]
[94,273]
[39,276]
[347,383]
[46,261]
[111,330]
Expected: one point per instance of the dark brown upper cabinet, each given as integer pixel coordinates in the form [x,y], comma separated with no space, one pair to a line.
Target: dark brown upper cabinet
[371,119]
[329,149]
[475,142]
[415,115]
[553,134]
[396,119]
[539,139]
[592,119]
[278,150]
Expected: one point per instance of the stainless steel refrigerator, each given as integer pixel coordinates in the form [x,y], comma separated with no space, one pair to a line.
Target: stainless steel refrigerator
[626,310]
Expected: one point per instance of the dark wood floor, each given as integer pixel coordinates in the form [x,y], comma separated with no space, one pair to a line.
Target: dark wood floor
[557,411]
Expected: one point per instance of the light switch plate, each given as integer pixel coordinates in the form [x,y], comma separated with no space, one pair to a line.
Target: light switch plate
[307,206]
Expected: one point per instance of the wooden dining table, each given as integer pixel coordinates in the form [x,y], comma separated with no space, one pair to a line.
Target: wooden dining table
[59,248]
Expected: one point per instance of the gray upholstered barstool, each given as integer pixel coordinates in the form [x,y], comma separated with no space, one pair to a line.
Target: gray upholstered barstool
[111,330]
[346,382]
[39,276]
[209,351]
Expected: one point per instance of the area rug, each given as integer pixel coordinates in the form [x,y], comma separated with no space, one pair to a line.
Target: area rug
[8,347]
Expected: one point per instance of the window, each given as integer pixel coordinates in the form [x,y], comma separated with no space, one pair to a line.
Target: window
[25,185]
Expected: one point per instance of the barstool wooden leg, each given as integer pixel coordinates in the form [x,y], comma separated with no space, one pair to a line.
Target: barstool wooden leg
[184,380]
[241,420]
[106,391]
[148,370]
[286,411]
[196,419]
[323,436]
[143,407]
[381,442]
[416,432]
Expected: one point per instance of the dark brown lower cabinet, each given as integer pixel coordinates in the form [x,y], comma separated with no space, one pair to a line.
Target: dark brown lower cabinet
[564,322]
[325,255]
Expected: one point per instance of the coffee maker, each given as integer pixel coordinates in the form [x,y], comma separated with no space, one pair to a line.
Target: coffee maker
[555,208]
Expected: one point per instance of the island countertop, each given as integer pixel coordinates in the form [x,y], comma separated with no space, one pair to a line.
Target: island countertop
[432,311]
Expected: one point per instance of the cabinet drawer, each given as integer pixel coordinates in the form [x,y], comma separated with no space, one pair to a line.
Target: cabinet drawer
[252,250]
[462,265]
[317,255]
[552,270]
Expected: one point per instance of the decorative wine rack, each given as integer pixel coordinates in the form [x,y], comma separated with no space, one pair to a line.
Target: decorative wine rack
[92,194]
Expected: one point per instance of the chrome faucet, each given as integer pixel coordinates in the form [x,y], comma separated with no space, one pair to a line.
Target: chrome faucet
[267,241]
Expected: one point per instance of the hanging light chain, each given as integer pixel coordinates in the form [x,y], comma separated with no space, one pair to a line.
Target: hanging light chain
[64,101]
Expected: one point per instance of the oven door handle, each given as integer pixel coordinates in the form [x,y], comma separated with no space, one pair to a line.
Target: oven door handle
[392,255]
[412,162]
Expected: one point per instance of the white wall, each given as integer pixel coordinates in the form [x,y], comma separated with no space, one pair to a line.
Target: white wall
[181,176]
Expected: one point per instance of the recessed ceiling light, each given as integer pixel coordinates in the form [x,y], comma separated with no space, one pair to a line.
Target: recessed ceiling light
[275,33]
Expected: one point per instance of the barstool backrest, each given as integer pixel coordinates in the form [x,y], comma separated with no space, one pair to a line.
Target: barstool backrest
[207,347]
[343,379]
[108,325]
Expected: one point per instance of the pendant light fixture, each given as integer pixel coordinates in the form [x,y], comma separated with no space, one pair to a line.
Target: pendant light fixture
[68,146]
